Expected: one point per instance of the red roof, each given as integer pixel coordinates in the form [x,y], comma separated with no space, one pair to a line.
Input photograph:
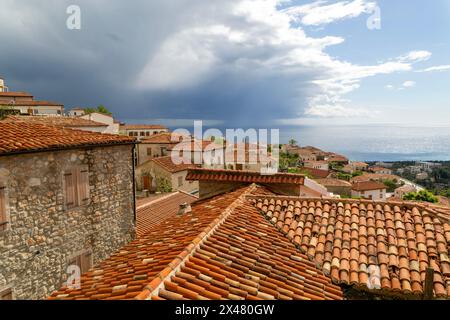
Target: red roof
[162,138]
[244,176]
[16,94]
[223,248]
[65,122]
[21,137]
[252,244]
[316,173]
[380,247]
[368,185]
[32,103]
[167,164]
[154,212]
[141,126]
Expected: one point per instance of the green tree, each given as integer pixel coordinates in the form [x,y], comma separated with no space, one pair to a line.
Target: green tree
[163,185]
[390,184]
[292,142]
[423,195]
[100,109]
[7,111]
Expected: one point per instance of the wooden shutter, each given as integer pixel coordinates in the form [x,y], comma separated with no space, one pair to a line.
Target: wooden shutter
[3,220]
[70,189]
[6,294]
[83,186]
[86,262]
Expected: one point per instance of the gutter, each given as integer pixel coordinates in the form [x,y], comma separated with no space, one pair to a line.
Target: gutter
[133,159]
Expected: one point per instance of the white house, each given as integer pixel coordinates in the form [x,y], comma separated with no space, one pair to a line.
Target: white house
[112,125]
[371,190]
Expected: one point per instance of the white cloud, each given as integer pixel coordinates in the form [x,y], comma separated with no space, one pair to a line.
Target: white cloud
[409,84]
[436,68]
[320,12]
[256,36]
[389,87]
[416,56]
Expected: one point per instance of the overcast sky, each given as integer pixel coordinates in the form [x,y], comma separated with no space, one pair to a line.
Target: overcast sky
[235,62]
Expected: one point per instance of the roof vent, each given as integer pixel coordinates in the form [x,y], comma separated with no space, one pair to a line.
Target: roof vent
[184,208]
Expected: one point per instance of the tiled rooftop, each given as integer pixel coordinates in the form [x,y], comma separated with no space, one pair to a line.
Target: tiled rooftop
[153,255]
[162,138]
[154,212]
[333,183]
[19,137]
[247,258]
[252,244]
[367,186]
[34,103]
[64,122]
[243,176]
[141,126]
[16,94]
[373,246]
[167,164]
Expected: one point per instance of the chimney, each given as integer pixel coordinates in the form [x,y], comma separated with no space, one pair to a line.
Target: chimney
[184,208]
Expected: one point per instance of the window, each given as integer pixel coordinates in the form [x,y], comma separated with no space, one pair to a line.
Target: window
[130,134]
[83,261]
[147,133]
[149,151]
[142,133]
[180,181]
[3,218]
[76,187]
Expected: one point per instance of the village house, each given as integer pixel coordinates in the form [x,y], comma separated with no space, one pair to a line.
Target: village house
[62,122]
[371,190]
[319,165]
[336,186]
[76,112]
[112,126]
[206,153]
[25,104]
[247,157]
[358,166]
[253,243]
[162,175]
[380,170]
[401,191]
[157,145]
[141,131]
[66,200]
[422,176]
[3,87]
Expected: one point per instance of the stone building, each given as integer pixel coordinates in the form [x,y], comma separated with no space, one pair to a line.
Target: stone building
[161,174]
[66,201]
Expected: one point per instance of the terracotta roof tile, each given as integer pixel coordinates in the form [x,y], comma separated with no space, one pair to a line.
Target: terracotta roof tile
[243,176]
[372,245]
[141,126]
[19,137]
[154,212]
[167,164]
[368,185]
[64,122]
[33,103]
[149,256]
[162,138]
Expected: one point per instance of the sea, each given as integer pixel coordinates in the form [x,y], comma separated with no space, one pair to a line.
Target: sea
[375,142]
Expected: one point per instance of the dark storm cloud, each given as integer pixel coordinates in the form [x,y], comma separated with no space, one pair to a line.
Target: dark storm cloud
[239,61]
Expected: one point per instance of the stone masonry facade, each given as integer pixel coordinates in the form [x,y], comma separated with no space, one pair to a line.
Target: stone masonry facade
[43,235]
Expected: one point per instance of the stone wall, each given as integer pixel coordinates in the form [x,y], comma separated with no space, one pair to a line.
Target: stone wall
[43,234]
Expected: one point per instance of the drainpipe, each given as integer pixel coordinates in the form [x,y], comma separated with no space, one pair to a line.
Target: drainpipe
[133,157]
